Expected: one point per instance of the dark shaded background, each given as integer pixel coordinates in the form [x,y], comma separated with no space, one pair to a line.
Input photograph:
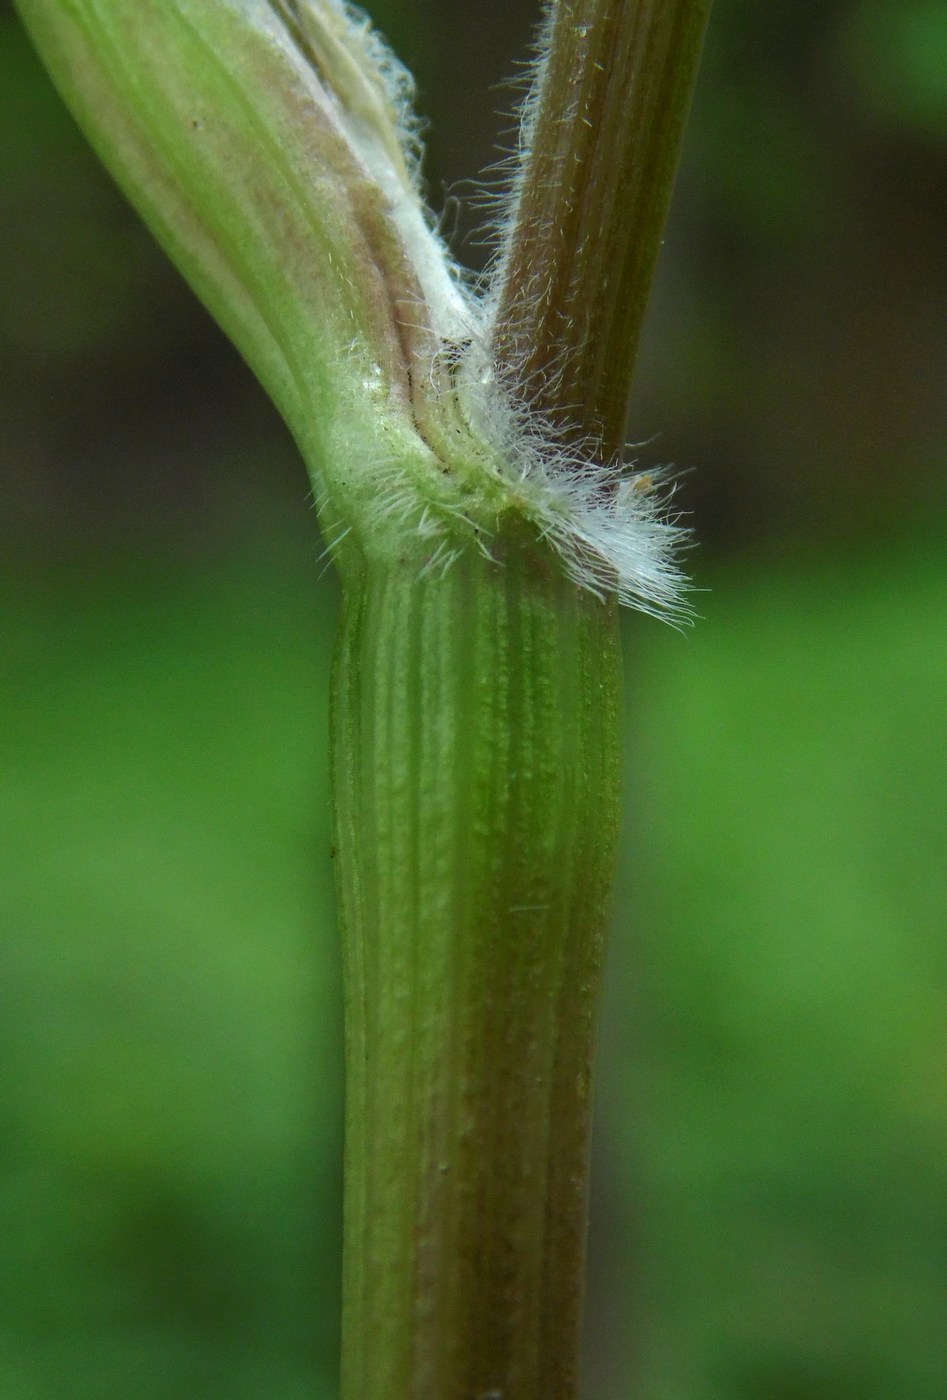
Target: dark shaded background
[770,1218]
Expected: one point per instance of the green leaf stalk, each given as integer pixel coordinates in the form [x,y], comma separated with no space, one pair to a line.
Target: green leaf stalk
[465,455]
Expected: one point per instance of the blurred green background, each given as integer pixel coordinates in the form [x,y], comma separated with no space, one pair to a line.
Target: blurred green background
[770,1204]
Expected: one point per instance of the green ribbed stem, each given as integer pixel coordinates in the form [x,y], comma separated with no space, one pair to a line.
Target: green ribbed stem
[476,783]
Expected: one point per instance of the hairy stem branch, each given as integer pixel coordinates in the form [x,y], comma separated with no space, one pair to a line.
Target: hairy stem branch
[603,134]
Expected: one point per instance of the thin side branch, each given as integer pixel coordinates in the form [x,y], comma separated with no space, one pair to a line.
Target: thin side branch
[602,136]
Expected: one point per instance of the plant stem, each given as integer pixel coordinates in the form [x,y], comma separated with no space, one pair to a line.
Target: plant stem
[476,713]
[603,135]
[476,782]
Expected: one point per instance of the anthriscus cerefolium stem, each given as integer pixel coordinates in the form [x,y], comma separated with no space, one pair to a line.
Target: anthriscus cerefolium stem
[465,455]
[476,798]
